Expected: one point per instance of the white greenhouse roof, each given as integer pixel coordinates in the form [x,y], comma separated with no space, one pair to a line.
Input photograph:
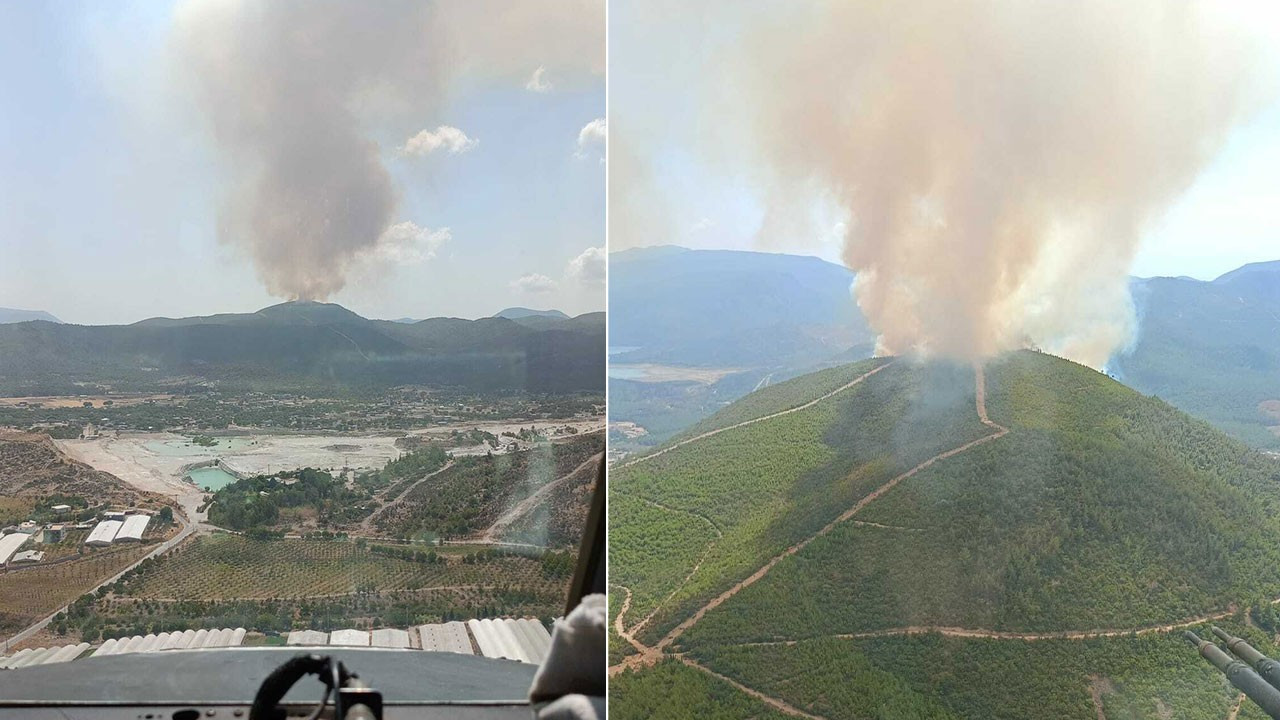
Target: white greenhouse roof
[389,638]
[10,543]
[308,637]
[104,532]
[133,527]
[446,637]
[355,638]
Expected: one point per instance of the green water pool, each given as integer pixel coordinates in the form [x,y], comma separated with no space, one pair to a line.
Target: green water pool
[211,478]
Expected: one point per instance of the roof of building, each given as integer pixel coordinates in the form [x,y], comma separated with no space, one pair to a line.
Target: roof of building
[10,543]
[133,527]
[446,637]
[308,637]
[356,638]
[515,639]
[389,638]
[104,532]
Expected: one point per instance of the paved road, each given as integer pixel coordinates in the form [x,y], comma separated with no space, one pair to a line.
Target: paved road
[188,528]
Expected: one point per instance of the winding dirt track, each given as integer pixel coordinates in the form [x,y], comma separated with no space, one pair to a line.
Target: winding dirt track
[1235,709]
[744,423]
[534,498]
[707,551]
[367,523]
[766,699]
[980,402]
[1005,635]
[649,655]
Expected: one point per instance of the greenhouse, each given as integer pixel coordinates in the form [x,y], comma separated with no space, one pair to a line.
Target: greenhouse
[103,533]
[447,637]
[132,529]
[10,543]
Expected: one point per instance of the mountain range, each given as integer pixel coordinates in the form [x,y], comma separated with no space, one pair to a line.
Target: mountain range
[305,343]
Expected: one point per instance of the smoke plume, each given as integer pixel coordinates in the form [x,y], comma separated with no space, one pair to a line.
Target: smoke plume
[998,160]
[297,94]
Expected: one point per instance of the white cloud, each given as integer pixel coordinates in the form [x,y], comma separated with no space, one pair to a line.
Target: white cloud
[589,267]
[444,137]
[538,81]
[406,243]
[592,134]
[534,284]
[702,225]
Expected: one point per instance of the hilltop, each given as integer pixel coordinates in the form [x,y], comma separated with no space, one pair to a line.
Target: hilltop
[516,313]
[301,343]
[884,532]
[10,315]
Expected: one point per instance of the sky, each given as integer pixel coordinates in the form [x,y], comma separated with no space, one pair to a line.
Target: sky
[113,186]
[662,71]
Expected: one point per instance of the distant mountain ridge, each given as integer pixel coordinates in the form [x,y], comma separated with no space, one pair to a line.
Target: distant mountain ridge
[307,343]
[12,315]
[731,308]
[1211,348]
[516,313]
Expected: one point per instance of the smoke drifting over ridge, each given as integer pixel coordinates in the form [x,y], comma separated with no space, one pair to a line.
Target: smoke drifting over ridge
[998,159]
[297,95]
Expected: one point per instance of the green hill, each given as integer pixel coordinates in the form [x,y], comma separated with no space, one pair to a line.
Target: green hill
[815,556]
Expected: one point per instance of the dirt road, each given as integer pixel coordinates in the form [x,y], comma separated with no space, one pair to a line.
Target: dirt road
[368,522]
[649,655]
[780,413]
[537,496]
[846,515]
[188,528]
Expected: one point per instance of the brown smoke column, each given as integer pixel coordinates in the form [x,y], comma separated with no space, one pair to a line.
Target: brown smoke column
[999,160]
[292,90]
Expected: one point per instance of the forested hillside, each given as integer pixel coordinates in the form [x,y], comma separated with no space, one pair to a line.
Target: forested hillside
[818,555]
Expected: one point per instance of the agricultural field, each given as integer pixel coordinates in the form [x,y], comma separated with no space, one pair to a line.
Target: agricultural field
[92,619]
[225,567]
[28,594]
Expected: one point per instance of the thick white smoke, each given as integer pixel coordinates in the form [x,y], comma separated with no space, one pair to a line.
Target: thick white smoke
[997,160]
[294,91]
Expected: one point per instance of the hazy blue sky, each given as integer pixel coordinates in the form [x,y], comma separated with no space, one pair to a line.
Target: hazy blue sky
[1228,217]
[110,186]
